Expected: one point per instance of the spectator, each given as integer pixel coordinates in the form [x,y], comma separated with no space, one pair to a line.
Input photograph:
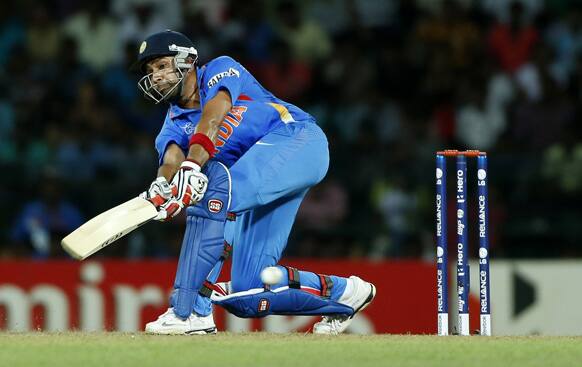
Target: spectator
[501,9]
[97,35]
[325,207]
[12,31]
[8,154]
[450,28]
[142,17]
[563,162]
[198,28]
[371,14]
[42,222]
[67,72]
[480,119]
[248,26]
[118,85]
[538,124]
[389,82]
[565,38]
[43,35]
[287,78]
[307,39]
[512,43]
[396,204]
[332,15]
[167,12]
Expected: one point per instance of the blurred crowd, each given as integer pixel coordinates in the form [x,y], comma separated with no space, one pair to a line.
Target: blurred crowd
[390,82]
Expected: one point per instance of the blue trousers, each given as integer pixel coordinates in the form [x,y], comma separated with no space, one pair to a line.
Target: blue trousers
[268,184]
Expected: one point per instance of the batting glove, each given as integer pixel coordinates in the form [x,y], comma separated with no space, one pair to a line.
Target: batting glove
[161,194]
[191,184]
[169,210]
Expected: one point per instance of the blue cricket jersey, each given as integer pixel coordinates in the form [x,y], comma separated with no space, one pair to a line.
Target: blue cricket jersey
[254,114]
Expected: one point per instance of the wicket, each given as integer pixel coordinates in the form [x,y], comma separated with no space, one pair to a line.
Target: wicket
[462,264]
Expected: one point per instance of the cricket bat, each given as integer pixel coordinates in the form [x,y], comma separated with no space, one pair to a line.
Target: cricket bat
[108,227]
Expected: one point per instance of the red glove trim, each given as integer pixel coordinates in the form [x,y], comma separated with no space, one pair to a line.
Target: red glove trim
[186,200]
[157,200]
[171,210]
[203,141]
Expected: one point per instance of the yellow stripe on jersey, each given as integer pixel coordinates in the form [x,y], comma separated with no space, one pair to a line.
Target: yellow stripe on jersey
[283,112]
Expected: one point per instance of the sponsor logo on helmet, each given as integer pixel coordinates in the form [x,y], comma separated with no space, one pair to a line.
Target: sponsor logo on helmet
[216,78]
[214,205]
[143,46]
[188,50]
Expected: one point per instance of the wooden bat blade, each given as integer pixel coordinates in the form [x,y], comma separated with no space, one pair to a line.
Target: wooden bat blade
[108,227]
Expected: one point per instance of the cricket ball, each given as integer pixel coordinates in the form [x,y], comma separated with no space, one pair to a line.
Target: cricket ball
[271,275]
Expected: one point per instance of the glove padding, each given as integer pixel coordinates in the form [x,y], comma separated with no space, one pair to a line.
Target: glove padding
[169,210]
[191,184]
[159,189]
[162,195]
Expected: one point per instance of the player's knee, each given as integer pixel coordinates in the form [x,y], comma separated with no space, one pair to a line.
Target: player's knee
[217,198]
[240,284]
[243,200]
[218,176]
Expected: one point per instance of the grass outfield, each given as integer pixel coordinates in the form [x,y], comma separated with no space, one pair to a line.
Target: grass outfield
[279,350]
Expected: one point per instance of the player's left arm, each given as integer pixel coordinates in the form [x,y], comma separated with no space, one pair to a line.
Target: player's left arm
[173,158]
[160,192]
[190,182]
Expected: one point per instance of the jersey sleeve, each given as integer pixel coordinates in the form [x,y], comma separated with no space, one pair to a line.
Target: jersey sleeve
[170,133]
[222,73]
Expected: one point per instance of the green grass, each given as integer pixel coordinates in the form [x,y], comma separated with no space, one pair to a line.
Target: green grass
[279,350]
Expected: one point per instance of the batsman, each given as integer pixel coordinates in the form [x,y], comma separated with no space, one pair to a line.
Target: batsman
[239,161]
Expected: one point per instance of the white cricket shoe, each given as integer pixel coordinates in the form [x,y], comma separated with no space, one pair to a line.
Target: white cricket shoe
[361,295]
[170,324]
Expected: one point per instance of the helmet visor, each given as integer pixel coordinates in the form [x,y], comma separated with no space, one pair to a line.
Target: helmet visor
[161,85]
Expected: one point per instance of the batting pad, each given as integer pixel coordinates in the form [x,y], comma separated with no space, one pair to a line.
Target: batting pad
[202,244]
[259,302]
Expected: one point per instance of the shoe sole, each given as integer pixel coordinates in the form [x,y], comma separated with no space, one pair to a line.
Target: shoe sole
[368,300]
[211,330]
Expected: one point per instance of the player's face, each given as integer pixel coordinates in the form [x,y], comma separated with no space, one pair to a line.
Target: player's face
[163,74]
